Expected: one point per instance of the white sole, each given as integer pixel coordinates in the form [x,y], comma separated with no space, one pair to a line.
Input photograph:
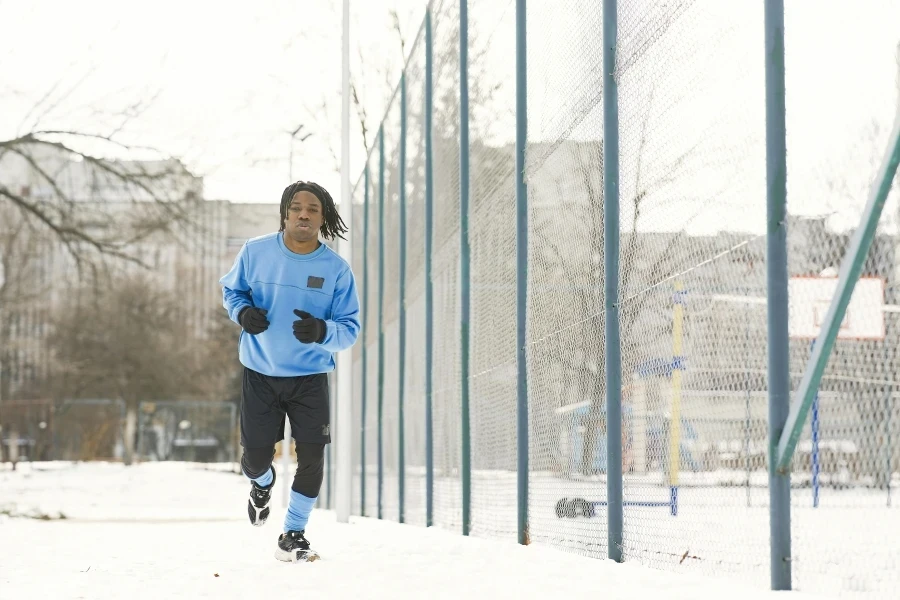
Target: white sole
[296,555]
[258,519]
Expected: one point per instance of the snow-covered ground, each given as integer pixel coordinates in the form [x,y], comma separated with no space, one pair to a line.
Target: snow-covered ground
[179,530]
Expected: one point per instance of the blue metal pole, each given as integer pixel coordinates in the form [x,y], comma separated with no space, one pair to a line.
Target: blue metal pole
[888,451]
[429,283]
[365,344]
[401,395]
[815,450]
[777,283]
[464,260]
[814,427]
[380,322]
[614,482]
[522,273]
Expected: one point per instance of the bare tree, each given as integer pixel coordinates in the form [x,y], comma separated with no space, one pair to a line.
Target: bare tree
[65,179]
[127,338]
[77,200]
[647,261]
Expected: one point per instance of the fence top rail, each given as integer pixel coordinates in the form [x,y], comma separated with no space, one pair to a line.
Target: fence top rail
[192,403]
[92,401]
[31,402]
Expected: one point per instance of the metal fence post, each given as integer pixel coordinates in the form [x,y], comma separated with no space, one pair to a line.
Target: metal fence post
[329,464]
[365,352]
[777,285]
[611,251]
[464,259]
[401,467]
[343,413]
[380,321]
[429,285]
[521,275]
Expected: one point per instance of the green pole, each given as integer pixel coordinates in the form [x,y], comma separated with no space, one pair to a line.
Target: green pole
[380,322]
[464,260]
[521,275]
[364,342]
[429,285]
[777,283]
[402,358]
[614,481]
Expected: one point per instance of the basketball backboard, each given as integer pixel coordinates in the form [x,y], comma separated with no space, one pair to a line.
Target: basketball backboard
[810,298]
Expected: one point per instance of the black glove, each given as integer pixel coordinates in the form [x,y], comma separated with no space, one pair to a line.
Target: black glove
[309,329]
[253,320]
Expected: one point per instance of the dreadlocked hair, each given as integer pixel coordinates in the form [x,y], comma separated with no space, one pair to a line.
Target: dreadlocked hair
[332,224]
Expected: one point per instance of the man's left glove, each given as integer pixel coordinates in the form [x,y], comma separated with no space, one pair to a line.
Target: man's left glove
[309,329]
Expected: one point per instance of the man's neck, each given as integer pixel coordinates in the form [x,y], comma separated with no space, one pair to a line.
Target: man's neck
[300,247]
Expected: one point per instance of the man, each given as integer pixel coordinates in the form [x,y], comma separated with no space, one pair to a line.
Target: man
[297,303]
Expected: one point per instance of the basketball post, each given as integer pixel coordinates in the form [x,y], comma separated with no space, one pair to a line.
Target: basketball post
[814,426]
[865,301]
[863,320]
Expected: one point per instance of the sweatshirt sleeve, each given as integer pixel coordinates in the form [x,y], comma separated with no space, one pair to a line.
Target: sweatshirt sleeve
[343,327]
[236,293]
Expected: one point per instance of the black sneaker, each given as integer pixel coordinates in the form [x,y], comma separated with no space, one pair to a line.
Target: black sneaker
[258,504]
[294,547]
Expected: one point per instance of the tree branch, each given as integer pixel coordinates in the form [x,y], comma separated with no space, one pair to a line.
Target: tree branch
[395,21]
[66,234]
[55,104]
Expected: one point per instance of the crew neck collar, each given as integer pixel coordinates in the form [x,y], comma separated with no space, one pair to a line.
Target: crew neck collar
[293,255]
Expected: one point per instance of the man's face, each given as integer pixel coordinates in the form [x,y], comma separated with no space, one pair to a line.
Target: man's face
[304,217]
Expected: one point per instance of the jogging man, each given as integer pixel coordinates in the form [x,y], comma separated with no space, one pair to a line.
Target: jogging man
[297,304]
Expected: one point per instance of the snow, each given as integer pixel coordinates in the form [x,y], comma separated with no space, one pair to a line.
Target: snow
[179,530]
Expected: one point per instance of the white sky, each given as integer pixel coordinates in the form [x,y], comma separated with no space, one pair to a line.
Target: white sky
[227,82]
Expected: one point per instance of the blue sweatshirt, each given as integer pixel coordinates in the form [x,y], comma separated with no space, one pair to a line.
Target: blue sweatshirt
[267,275]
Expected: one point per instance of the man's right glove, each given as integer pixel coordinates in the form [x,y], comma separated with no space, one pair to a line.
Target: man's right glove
[253,320]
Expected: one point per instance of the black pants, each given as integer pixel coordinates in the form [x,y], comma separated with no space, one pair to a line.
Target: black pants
[265,404]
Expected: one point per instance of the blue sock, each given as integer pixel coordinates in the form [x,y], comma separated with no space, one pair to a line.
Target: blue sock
[298,512]
[264,480]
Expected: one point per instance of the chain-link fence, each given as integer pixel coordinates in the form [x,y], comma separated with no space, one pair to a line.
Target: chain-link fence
[96,429]
[89,429]
[692,285]
[71,429]
[26,430]
[188,431]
